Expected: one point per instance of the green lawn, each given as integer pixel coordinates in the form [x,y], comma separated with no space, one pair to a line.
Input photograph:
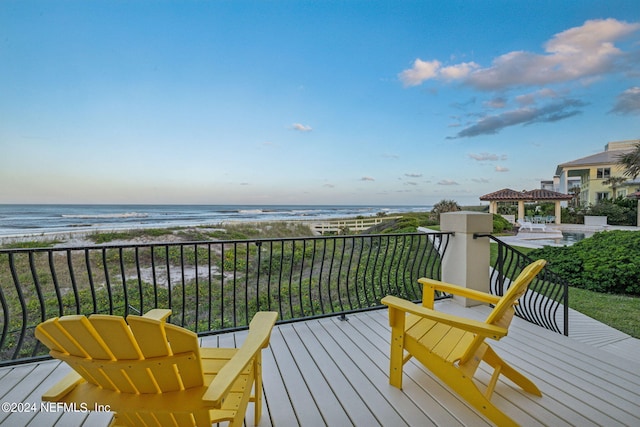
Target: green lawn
[618,311]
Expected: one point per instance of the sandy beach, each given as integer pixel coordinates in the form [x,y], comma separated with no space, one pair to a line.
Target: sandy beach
[83,238]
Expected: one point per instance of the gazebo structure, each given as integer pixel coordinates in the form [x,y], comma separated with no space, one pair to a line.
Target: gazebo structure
[509,195]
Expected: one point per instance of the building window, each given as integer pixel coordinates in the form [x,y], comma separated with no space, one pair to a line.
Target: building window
[603,173]
[602,196]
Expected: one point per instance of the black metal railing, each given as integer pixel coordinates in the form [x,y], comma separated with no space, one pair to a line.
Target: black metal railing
[212,286]
[546,302]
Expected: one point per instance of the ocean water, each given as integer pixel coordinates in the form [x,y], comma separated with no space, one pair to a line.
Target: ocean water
[20,220]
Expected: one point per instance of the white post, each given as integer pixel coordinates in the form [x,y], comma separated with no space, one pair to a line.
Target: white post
[520,210]
[466,262]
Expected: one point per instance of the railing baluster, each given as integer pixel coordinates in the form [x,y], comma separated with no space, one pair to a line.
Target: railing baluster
[366,274]
[5,319]
[235,276]
[313,261]
[184,290]
[222,281]
[269,277]
[36,283]
[258,271]
[357,274]
[56,285]
[246,284]
[74,285]
[300,295]
[23,305]
[197,308]
[280,303]
[92,288]
[140,290]
[152,250]
[210,287]
[124,281]
[290,283]
[320,297]
[339,281]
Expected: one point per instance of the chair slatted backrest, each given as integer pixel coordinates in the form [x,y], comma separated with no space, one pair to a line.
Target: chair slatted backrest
[503,312]
[519,286]
[143,356]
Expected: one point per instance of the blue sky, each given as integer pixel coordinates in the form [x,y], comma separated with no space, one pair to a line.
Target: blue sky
[307,102]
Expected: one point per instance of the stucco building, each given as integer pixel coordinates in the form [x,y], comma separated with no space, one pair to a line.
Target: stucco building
[591,173]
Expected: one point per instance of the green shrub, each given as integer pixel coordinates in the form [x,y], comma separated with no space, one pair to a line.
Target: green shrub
[618,212]
[607,262]
[500,224]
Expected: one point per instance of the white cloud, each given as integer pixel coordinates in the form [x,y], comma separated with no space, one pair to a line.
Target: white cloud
[628,102]
[300,127]
[501,169]
[455,72]
[480,180]
[413,175]
[482,157]
[447,182]
[582,52]
[421,71]
[367,178]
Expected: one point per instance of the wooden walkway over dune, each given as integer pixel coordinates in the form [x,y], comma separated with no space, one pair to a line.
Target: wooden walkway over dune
[337,226]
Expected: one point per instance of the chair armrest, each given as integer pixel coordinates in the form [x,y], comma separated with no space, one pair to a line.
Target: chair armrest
[62,387]
[460,291]
[258,338]
[475,326]
[160,314]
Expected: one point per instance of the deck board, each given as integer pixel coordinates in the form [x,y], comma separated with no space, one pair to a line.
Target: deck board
[333,372]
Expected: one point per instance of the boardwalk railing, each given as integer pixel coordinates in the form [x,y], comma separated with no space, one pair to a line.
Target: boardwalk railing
[212,286]
[339,226]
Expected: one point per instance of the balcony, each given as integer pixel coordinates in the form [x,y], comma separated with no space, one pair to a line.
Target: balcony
[327,363]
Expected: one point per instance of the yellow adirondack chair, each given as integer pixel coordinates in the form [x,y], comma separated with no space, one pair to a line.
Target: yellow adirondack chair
[151,373]
[452,347]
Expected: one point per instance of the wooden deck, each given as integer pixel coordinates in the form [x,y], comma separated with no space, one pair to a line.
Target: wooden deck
[334,373]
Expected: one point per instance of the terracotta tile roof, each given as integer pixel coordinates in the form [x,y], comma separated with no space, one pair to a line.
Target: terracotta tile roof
[548,195]
[507,194]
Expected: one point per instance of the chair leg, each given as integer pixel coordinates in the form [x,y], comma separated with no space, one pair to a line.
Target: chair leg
[257,397]
[503,368]
[397,356]
[463,384]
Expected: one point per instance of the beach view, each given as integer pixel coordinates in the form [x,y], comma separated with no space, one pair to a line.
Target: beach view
[319,213]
